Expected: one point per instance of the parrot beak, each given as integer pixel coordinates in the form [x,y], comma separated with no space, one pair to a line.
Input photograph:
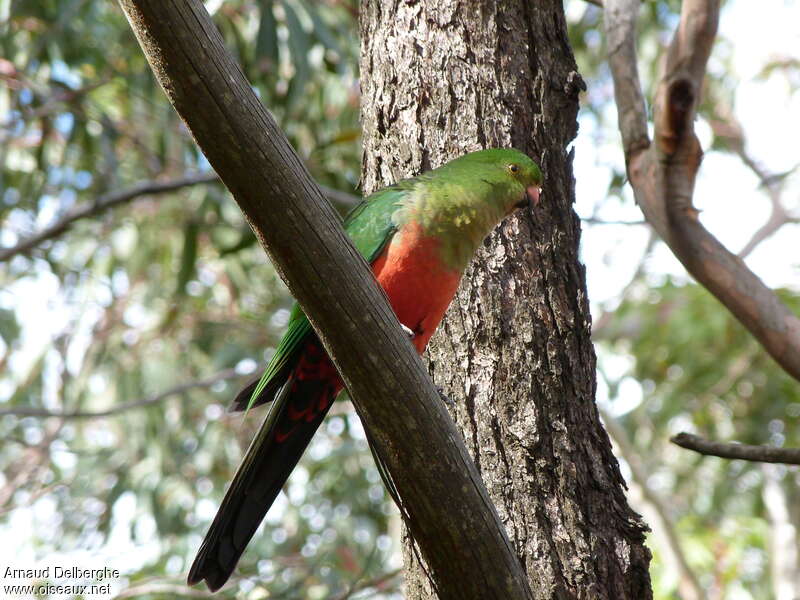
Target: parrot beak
[532,194]
[531,197]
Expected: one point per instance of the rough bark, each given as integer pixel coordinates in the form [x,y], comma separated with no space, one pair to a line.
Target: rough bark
[304,237]
[441,77]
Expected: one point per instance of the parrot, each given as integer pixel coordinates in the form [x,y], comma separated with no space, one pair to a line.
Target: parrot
[418,236]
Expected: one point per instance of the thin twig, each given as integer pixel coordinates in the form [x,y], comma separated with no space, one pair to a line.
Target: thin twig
[778,216]
[22,411]
[172,590]
[102,204]
[777,219]
[734,450]
[727,127]
[376,582]
[146,188]
[596,221]
[58,97]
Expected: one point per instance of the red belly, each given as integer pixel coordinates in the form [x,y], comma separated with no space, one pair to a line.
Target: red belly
[419,286]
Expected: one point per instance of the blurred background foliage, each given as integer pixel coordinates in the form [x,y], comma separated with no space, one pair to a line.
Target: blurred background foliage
[124,336]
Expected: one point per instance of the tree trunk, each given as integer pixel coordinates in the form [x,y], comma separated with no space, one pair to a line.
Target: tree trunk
[440,78]
[333,283]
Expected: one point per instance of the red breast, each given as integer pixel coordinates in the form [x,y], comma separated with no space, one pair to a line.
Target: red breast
[419,286]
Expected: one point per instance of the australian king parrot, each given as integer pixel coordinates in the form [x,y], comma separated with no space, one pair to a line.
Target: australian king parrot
[418,235]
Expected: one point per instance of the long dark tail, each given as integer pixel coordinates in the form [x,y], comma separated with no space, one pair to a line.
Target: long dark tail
[294,417]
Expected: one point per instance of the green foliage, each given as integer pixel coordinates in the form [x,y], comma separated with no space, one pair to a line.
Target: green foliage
[161,291]
[670,358]
[701,371]
[707,364]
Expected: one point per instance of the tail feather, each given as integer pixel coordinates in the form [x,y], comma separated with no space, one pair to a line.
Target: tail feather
[299,408]
[243,397]
[242,400]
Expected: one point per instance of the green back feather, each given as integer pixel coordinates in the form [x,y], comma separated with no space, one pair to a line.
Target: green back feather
[370,227]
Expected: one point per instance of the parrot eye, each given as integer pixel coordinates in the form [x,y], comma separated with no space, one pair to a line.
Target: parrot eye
[513,168]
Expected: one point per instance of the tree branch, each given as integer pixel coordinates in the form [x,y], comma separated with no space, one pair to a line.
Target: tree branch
[777,219]
[389,386]
[102,204]
[619,17]
[662,174]
[779,216]
[24,411]
[146,188]
[379,582]
[596,221]
[734,450]
[728,128]
[170,590]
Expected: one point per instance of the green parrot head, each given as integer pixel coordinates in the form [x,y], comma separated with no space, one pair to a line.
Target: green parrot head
[461,201]
[512,171]
[488,181]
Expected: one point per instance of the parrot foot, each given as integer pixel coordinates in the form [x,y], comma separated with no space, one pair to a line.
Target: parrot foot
[445,398]
[410,333]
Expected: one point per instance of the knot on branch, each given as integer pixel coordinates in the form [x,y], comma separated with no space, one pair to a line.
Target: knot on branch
[574,84]
[681,98]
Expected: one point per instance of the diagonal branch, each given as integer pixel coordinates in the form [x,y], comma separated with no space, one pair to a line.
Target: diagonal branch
[140,190]
[24,411]
[663,173]
[305,240]
[778,217]
[734,450]
[727,127]
[380,583]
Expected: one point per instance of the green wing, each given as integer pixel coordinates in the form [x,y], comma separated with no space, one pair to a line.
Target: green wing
[370,227]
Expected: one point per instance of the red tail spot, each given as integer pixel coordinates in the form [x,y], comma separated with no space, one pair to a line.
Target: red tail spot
[282,436]
[296,415]
[325,398]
